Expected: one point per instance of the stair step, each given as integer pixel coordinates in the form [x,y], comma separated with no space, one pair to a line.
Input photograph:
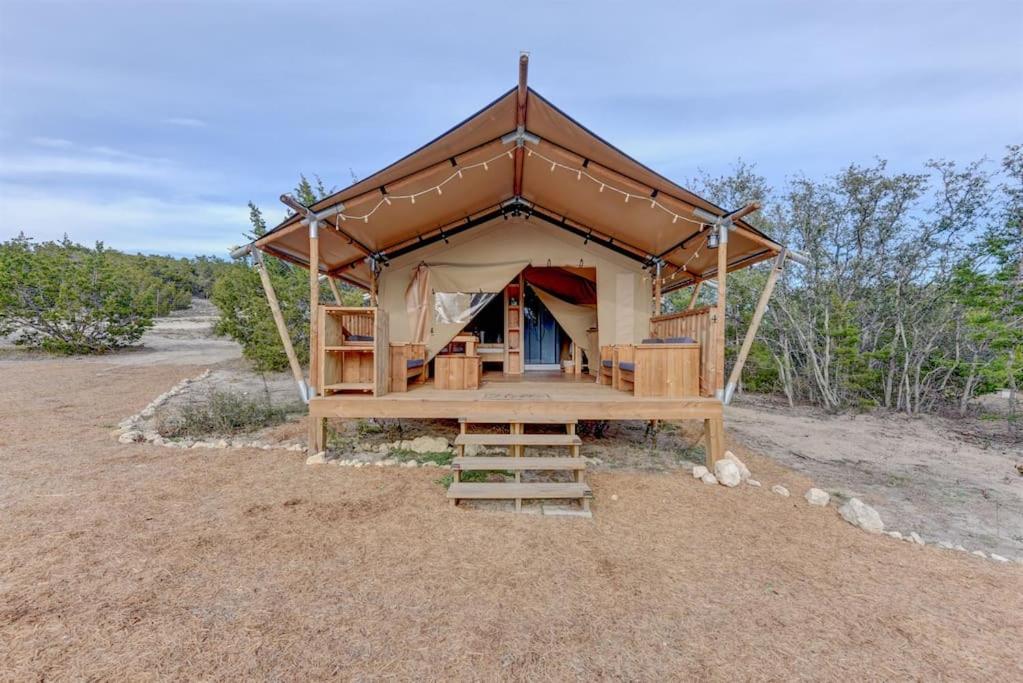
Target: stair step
[506,463]
[517,440]
[513,490]
[518,420]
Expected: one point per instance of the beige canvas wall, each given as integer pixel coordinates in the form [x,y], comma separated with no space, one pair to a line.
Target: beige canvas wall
[623,302]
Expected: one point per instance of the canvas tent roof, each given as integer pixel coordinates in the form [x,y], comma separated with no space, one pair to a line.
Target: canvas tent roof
[470,176]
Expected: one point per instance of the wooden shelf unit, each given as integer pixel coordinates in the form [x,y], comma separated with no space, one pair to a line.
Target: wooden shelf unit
[513,326]
[348,360]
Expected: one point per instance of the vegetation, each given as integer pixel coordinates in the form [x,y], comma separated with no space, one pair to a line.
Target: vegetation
[67,298]
[913,299]
[245,315]
[222,413]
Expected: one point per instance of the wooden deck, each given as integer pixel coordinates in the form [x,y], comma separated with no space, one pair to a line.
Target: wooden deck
[528,396]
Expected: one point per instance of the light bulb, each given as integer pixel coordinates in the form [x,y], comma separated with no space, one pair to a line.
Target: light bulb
[413,198]
[439,190]
[626,197]
[459,173]
[652,203]
[675,219]
[388,200]
[579,175]
[485,167]
[602,187]
[553,164]
[365,219]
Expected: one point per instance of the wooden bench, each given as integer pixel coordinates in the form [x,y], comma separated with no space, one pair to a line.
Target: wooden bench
[408,362]
[605,375]
[657,369]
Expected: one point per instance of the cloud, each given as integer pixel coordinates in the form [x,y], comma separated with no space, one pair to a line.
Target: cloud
[129,223]
[184,121]
[51,142]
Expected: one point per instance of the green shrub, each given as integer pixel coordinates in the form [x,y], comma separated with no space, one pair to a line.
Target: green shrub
[222,413]
[66,298]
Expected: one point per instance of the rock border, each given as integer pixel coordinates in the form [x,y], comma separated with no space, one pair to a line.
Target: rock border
[867,518]
[132,430]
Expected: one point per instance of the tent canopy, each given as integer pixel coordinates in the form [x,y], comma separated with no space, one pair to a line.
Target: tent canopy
[518,154]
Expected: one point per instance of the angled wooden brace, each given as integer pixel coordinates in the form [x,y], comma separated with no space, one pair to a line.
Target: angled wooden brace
[754,325]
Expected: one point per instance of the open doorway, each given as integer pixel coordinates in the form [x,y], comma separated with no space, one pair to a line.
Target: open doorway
[559,316]
[543,335]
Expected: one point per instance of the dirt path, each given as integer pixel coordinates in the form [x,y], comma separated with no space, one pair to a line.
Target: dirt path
[132,561]
[919,474]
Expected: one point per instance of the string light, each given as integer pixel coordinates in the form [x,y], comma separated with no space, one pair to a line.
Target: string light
[555,165]
[580,173]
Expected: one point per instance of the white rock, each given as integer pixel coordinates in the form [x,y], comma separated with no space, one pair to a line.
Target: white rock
[946,545]
[744,472]
[858,513]
[979,553]
[222,443]
[158,441]
[429,463]
[147,412]
[428,444]
[379,463]
[753,482]
[817,497]
[472,450]
[130,437]
[709,479]
[999,558]
[699,471]
[296,447]
[614,496]
[915,537]
[389,462]
[410,464]
[780,490]
[961,548]
[727,473]
[894,534]
[316,458]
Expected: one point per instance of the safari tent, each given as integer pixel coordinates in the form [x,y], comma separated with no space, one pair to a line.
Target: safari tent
[515,269]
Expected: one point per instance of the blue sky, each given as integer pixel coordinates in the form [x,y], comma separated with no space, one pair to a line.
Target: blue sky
[149,125]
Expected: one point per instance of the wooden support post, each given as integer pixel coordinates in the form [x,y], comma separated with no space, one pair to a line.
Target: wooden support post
[754,325]
[657,290]
[334,290]
[719,326]
[696,294]
[714,440]
[282,328]
[374,282]
[317,425]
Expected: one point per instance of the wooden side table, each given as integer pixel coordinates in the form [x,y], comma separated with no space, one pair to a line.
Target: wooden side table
[457,371]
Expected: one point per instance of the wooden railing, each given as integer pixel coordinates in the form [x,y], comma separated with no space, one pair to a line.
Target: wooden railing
[697,323]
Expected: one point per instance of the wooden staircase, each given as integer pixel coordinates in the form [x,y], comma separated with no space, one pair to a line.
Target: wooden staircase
[516,440]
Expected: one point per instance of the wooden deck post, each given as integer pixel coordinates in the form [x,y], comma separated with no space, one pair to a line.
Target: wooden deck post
[754,325]
[714,440]
[657,290]
[317,425]
[282,328]
[719,327]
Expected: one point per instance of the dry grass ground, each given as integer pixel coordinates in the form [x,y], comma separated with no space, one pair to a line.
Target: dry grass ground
[137,562]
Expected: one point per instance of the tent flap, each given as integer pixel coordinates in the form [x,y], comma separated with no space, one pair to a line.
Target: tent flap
[574,319]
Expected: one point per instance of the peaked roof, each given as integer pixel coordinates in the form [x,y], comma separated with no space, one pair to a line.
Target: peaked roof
[469,176]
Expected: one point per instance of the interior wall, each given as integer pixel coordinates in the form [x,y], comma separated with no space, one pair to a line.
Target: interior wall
[623,304]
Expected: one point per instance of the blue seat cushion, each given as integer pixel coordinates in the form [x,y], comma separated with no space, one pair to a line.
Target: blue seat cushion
[627,366]
[653,340]
[414,363]
[607,363]
[679,340]
[360,337]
